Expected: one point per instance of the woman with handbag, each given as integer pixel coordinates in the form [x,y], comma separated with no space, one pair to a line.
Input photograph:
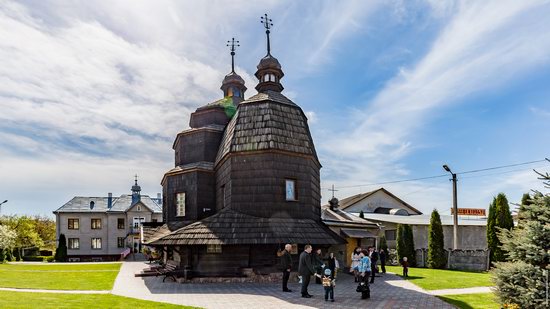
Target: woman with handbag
[364,269]
[355,258]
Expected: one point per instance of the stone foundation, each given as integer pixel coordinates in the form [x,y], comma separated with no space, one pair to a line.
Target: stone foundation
[251,277]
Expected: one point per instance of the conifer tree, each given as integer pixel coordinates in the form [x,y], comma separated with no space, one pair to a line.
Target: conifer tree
[503,220]
[492,241]
[409,240]
[61,251]
[2,255]
[383,243]
[525,202]
[401,246]
[437,256]
[523,279]
[362,215]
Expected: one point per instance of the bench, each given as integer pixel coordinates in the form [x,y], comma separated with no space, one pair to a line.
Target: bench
[170,270]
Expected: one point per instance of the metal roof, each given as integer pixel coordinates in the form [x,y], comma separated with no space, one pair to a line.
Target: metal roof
[119,204]
[424,219]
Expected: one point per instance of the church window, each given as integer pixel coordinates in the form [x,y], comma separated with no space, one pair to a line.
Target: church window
[290,189]
[96,243]
[390,234]
[213,248]
[73,224]
[230,92]
[180,204]
[96,224]
[74,243]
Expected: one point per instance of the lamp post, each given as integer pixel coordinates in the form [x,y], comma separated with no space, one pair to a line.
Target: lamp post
[1,205]
[455,208]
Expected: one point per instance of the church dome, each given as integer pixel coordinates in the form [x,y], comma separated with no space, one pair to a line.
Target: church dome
[233,78]
[269,62]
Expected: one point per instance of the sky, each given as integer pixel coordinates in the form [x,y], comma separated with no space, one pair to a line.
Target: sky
[94,92]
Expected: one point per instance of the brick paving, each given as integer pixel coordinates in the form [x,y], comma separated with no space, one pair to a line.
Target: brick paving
[389,291]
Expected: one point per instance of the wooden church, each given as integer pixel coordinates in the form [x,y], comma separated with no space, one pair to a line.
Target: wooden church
[245,182]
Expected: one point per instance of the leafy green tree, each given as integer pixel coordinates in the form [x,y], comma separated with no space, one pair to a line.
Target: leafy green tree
[503,220]
[362,215]
[383,243]
[7,237]
[25,228]
[522,280]
[437,256]
[61,251]
[45,227]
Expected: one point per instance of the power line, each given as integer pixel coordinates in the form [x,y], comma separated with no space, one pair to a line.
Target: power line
[443,175]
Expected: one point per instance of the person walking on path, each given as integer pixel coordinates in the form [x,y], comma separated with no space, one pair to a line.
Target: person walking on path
[286,262]
[354,262]
[365,269]
[373,255]
[383,260]
[305,269]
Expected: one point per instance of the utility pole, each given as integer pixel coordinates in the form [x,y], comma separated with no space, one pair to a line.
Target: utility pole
[1,205]
[455,208]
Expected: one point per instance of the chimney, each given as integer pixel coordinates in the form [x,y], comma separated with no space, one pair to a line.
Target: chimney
[109,200]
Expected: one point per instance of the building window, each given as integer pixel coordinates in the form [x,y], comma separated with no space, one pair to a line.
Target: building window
[138,207]
[120,242]
[74,243]
[96,243]
[74,224]
[154,220]
[213,248]
[120,223]
[96,224]
[180,204]
[138,221]
[290,186]
[390,234]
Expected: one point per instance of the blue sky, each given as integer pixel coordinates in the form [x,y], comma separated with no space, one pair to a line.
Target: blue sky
[93,92]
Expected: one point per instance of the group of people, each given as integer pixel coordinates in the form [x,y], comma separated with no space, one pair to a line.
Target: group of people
[364,267]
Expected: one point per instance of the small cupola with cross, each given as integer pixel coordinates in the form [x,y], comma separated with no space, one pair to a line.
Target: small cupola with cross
[233,84]
[269,71]
[136,191]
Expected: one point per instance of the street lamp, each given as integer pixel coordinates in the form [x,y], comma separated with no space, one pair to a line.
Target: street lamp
[455,208]
[1,205]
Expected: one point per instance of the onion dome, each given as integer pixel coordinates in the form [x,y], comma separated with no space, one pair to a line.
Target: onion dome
[269,71]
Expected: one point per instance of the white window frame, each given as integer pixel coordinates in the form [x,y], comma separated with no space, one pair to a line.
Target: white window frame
[92,224]
[77,220]
[95,241]
[180,204]
[71,243]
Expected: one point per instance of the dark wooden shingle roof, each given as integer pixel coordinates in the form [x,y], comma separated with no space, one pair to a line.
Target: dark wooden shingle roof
[267,121]
[229,227]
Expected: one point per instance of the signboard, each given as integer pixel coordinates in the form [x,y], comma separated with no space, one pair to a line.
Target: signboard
[469,212]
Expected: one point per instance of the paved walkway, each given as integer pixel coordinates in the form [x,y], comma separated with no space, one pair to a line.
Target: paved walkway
[389,291]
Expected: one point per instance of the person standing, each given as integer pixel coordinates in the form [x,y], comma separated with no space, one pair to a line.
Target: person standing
[405,265]
[332,264]
[354,262]
[364,269]
[373,255]
[383,260]
[305,269]
[318,264]
[286,262]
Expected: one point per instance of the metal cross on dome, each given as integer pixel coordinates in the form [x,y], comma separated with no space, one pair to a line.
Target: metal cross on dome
[232,44]
[135,178]
[267,25]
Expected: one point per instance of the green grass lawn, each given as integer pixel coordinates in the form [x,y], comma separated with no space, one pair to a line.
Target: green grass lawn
[472,301]
[59,276]
[51,300]
[437,279]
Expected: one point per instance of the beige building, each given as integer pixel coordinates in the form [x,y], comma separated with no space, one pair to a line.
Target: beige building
[106,228]
[387,210]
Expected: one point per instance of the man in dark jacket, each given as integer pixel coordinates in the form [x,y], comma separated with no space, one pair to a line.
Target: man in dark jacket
[305,269]
[383,260]
[286,262]
[318,265]
[374,259]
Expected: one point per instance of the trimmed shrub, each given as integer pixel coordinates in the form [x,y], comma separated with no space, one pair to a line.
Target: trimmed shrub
[383,243]
[61,251]
[9,257]
[34,258]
